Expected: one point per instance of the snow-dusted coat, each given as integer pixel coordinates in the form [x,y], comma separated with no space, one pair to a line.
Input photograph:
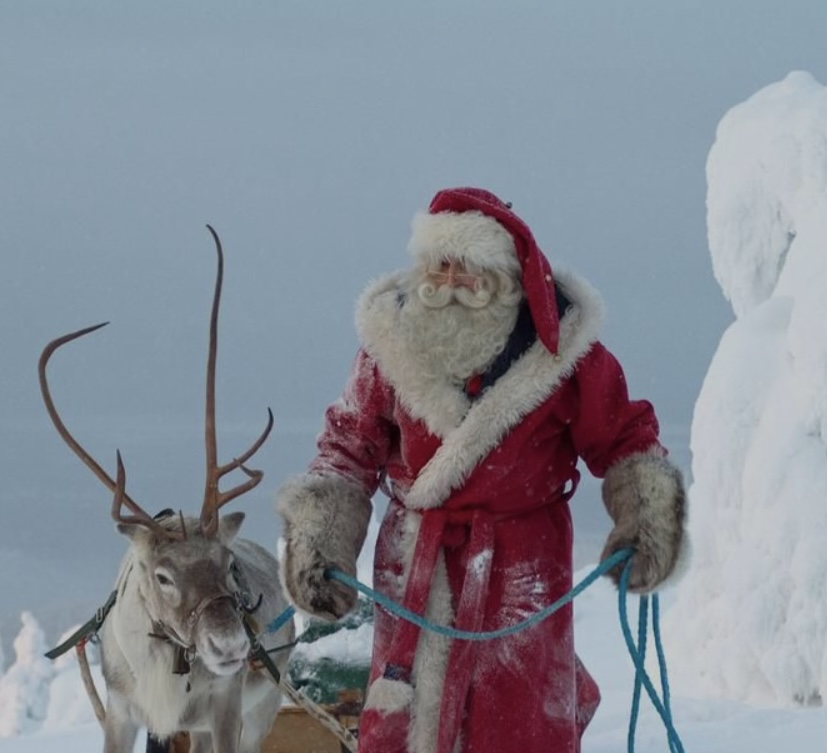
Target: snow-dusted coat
[478,533]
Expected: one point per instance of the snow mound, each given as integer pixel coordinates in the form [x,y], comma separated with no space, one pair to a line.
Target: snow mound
[749,622]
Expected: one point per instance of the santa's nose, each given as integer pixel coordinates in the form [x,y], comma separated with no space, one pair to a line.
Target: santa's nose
[457,275]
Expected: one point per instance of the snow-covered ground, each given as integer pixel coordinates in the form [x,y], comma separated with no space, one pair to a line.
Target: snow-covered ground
[751,612]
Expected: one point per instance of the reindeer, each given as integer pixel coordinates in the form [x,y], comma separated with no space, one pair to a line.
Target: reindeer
[175,647]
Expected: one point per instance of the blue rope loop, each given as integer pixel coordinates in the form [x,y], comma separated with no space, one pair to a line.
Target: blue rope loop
[637,651]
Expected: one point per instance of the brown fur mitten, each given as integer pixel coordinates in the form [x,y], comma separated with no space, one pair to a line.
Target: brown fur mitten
[644,494]
[325,520]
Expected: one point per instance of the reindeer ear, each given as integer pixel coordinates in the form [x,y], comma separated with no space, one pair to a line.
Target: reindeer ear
[229,526]
[138,534]
[130,530]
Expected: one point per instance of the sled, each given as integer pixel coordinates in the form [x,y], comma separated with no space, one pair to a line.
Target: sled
[296,731]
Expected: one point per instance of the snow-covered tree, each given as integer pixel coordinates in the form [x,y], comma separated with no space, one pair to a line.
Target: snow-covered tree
[749,621]
[24,688]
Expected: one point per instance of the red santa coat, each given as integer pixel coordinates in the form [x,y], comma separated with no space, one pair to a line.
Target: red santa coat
[478,533]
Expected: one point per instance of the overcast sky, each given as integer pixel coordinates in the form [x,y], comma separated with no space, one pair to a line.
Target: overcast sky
[759,455]
[308,134]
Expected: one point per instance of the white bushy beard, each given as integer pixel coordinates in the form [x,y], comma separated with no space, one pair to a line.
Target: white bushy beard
[456,332]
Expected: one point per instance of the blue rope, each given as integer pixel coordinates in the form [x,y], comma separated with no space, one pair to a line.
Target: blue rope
[637,652]
[466,635]
[274,625]
[662,669]
[641,676]
[638,661]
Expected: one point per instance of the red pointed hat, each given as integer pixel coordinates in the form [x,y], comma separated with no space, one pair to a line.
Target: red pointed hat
[459,224]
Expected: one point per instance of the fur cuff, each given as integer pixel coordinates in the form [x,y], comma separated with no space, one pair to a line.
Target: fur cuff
[325,521]
[644,494]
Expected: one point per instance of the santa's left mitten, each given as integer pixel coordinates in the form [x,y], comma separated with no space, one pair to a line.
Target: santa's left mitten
[644,494]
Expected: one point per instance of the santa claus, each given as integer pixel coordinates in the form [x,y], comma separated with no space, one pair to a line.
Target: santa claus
[479,384]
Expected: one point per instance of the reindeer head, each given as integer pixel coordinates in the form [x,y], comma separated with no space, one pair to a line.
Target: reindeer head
[191,586]
[192,589]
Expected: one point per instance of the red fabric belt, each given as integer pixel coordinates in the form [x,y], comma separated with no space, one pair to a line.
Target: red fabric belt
[434,526]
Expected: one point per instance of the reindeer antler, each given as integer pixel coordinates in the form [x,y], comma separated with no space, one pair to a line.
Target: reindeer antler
[213,497]
[139,516]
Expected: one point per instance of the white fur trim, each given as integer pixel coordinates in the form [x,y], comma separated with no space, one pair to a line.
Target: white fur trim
[430,664]
[431,657]
[472,237]
[471,431]
[389,696]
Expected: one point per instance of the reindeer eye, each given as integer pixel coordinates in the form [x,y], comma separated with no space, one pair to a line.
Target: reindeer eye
[163,579]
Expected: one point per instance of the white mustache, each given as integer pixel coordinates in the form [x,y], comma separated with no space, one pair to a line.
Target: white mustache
[435,297]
